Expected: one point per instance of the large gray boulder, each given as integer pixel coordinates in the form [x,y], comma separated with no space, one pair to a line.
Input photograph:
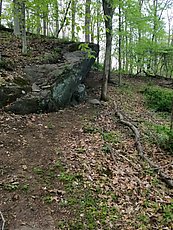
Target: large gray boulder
[53,86]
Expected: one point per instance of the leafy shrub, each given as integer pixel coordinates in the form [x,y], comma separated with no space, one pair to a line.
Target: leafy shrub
[159,98]
[97,66]
[111,137]
[164,137]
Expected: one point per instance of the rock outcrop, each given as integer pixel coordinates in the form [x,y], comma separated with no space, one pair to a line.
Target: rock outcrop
[49,87]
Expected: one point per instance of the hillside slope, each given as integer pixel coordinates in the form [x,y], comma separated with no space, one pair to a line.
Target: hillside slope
[79,168]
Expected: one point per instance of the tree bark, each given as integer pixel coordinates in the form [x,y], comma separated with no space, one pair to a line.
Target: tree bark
[73,9]
[171,125]
[23,28]
[87,20]
[98,27]
[108,13]
[16,15]
[119,43]
[45,20]
[0,10]
[65,17]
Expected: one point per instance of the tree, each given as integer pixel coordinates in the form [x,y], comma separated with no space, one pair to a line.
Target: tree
[16,15]
[108,9]
[119,42]
[73,9]
[98,26]
[87,20]
[65,17]
[0,10]
[23,27]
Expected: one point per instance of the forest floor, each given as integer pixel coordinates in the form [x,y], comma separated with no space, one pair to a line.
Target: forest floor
[78,168]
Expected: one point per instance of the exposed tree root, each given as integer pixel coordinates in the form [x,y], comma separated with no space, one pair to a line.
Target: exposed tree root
[3,221]
[167,179]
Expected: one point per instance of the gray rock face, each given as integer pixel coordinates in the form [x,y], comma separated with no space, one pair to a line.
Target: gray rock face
[53,86]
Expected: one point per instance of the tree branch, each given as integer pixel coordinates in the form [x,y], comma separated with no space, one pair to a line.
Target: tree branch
[65,16]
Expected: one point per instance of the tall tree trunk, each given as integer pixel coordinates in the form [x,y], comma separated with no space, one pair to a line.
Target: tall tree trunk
[171,126]
[73,9]
[16,15]
[119,43]
[87,20]
[139,67]
[45,20]
[56,7]
[108,12]
[92,31]
[23,28]
[98,27]
[0,10]
[39,27]
[154,35]
[126,46]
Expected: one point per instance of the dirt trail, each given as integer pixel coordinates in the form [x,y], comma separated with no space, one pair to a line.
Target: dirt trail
[57,170]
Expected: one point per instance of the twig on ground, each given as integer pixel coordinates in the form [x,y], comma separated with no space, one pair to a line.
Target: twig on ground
[3,221]
[167,179]
[122,156]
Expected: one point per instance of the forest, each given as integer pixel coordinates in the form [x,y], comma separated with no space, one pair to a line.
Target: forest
[86,114]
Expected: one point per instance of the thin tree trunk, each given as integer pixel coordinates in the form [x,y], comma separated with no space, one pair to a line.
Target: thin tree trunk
[120,43]
[87,20]
[139,67]
[16,15]
[73,9]
[39,28]
[107,64]
[171,125]
[57,16]
[126,47]
[0,10]
[108,12]
[23,28]
[65,16]
[45,21]
[98,27]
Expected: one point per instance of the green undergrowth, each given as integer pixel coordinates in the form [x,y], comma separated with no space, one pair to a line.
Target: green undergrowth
[89,208]
[160,135]
[127,89]
[158,98]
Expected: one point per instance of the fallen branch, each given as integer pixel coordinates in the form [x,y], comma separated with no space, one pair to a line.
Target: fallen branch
[3,221]
[167,179]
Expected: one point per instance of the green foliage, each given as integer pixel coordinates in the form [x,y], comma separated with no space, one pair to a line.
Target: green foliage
[168,213]
[38,170]
[81,150]
[111,137]
[88,128]
[48,199]
[162,135]
[11,186]
[2,64]
[98,66]
[85,48]
[143,218]
[159,99]
[106,148]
